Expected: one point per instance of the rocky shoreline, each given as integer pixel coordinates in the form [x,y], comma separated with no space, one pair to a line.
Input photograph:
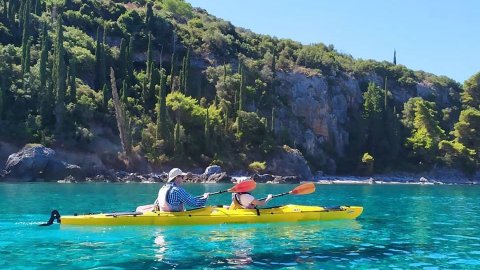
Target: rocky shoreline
[37,163]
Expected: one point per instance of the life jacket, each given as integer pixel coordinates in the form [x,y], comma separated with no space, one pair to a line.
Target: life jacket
[237,204]
[162,200]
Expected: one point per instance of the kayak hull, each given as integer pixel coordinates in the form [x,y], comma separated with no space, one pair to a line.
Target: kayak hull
[218,215]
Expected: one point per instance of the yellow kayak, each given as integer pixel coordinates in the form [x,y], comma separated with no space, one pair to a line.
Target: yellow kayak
[218,215]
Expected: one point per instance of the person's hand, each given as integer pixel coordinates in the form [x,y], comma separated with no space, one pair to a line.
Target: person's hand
[269,197]
[205,195]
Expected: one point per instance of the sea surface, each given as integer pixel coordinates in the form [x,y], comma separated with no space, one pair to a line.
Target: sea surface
[402,227]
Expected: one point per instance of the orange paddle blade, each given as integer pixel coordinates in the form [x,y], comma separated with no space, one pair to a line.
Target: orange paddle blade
[306,188]
[244,186]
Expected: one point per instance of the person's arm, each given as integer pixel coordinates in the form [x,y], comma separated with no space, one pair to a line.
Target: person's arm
[191,201]
[263,202]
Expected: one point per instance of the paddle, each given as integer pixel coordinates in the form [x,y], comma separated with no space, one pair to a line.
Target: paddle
[244,186]
[303,189]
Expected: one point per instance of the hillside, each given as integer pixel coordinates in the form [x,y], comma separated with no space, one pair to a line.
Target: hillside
[195,90]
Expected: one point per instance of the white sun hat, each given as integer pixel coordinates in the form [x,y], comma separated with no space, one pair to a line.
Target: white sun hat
[174,173]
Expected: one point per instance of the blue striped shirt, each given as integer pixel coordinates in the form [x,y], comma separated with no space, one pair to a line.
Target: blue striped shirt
[178,195]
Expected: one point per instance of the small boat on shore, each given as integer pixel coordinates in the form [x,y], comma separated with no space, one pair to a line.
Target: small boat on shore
[217,215]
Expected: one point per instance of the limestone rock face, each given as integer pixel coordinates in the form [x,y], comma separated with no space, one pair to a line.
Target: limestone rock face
[287,162]
[317,109]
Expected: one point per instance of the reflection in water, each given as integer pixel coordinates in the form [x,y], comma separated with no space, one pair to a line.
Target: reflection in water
[240,245]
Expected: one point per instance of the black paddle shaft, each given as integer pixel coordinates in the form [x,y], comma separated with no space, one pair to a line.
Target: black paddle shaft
[276,195]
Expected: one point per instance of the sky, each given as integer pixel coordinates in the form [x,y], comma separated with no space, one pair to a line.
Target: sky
[440,37]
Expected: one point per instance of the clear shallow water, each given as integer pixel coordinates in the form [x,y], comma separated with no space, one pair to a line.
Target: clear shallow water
[402,227]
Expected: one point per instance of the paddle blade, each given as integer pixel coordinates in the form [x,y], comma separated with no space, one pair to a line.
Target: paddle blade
[306,188]
[244,186]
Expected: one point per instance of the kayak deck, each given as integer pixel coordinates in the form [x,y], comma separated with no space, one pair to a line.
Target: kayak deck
[218,215]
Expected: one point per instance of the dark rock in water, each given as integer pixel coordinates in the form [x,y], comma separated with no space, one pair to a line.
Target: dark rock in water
[38,162]
[262,178]
[219,178]
[289,161]
[286,179]
[56,169]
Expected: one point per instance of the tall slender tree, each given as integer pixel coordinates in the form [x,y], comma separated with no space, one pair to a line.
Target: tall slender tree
[123,122]
[72,81]
[162,117]
[122,60]
[26,35]
[207,132]
[149,17]
[59,77]
[149,55]
[129,62]
[172,70]
[43,62]
[99,61]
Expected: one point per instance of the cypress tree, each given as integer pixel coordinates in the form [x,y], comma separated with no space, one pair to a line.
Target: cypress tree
[240,91]
[72,81]
[124,90]
[43,62]
[162,120]
[149,16]
[207,131]
[25,35]
[38,7]
[59,76]
[99,62]
[122,58]
[274,69]
[26,61]
[129,62]
[385,93]
[5,8]
[394,57]
[272,127]
[154,80]
[172,70]
[105,97]
[186,65]
[123,122]
[149,56]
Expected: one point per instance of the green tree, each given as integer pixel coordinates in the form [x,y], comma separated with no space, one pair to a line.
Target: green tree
[59,77]
[149,56]
[149,17]
[105,97]
[467,128]
[373,115]
[162,117]
[99,61]
[471,92]
[207,132]
[426,133]
[72,81]
[122,61]
[149,97]
[26,37]
[129,62]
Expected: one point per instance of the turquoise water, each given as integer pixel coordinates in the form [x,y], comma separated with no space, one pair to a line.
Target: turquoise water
[402,227]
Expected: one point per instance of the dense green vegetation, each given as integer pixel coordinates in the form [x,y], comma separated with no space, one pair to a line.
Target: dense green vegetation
[55,85]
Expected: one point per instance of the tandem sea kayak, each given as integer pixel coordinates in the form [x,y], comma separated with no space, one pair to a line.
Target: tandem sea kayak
[218,215]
